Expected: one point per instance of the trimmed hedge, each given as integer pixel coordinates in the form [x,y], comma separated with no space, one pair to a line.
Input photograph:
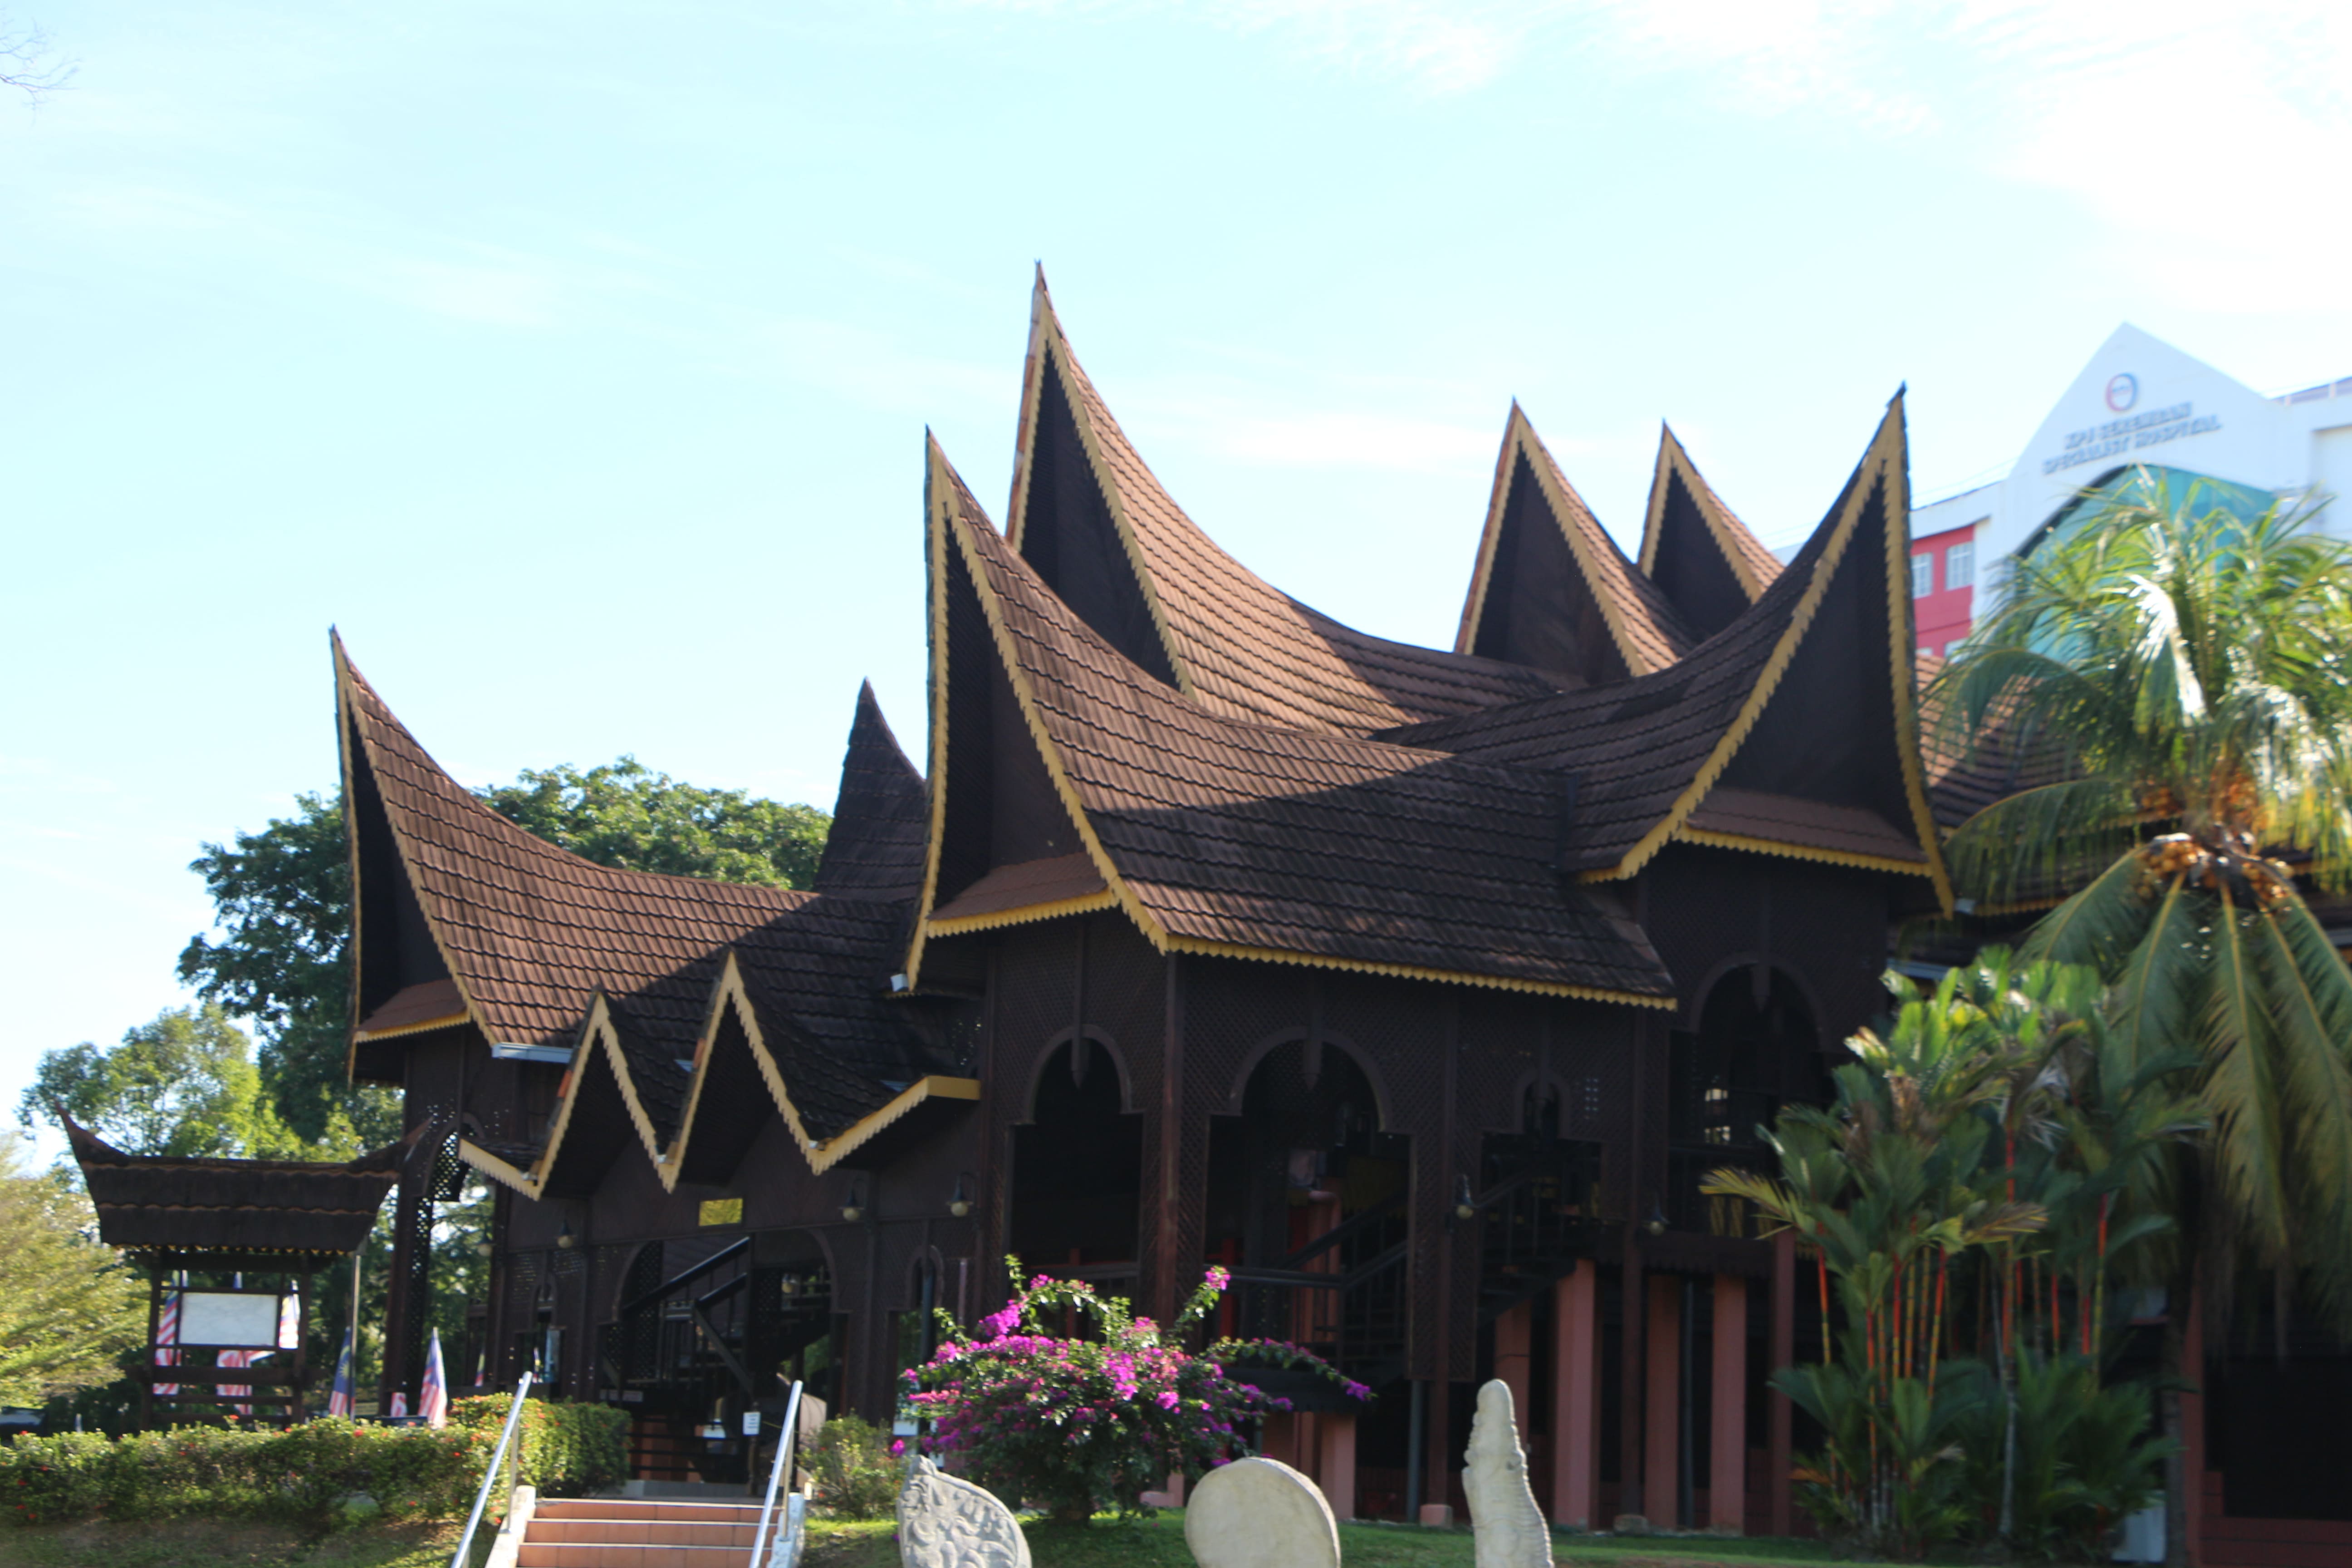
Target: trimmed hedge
[303,1476]
[299,1477]
[568,1449]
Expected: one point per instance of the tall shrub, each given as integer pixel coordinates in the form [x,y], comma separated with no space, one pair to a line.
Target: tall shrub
[1988,1163]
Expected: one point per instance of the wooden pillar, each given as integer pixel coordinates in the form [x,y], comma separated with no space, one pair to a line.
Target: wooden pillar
[1334,1464]
[1662,1388]
[1727,1458]
[1515,1334]
[1633,1390]
[1576,1398]
[1780,1456]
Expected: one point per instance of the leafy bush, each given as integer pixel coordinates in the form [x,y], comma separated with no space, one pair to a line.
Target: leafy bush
[2087,1456]
[568,1449]
[296,1477]
[1067,1424]
[857,1476]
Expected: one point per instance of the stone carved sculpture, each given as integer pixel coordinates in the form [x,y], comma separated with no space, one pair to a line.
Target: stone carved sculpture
[945,1522]
[1510,1530]
[1260,1513]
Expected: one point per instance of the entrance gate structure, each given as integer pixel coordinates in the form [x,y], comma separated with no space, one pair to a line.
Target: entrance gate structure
[261,1220]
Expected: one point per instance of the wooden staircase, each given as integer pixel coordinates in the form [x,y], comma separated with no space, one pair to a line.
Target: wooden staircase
[630,1532]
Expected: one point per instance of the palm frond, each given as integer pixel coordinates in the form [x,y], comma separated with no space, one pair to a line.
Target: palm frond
[2157,990]
[2098,926]
[2030,840]
[2250,1135]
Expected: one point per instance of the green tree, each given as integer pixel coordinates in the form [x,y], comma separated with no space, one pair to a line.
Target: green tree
[183,1084]
[2195,668]
[282,900]
[68,1309]
[623,814]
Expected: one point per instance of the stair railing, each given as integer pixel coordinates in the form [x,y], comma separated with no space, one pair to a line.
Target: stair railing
[786,1550]
[491,1475]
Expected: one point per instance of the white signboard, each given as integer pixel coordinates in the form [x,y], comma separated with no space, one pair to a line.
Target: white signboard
[221,1318]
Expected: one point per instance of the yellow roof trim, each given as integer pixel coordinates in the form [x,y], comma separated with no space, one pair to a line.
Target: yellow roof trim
[1027,914]
[1415,972]
[1714,840]
[822,1154]
[366,1037]
[933,1086]
[498,1170]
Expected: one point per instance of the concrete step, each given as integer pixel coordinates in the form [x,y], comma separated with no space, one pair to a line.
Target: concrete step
[650,1508]
[629,1533]
[578,1555]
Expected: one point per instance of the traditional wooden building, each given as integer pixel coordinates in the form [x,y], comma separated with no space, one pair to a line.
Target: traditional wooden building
[1418,986]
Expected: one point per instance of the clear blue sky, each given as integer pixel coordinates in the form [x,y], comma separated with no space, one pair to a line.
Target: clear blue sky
[575,358]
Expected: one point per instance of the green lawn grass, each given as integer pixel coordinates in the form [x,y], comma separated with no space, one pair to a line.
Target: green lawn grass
[1159,1542]
[195,1544]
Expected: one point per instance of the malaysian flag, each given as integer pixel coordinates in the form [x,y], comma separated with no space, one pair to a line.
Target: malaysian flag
[433,1402]
[167,1332]
[399,1404]
[338,1399]
[228,1392]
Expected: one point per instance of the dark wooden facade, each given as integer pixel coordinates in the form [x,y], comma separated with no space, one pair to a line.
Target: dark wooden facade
[1418,986]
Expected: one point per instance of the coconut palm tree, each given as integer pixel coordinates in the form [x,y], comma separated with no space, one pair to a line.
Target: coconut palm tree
[2192,666]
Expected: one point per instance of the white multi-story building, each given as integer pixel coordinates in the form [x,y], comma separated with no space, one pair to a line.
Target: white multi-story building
[2139,401]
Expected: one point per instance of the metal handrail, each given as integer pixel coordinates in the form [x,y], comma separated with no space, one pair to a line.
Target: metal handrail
[491,1475]
[786,1439]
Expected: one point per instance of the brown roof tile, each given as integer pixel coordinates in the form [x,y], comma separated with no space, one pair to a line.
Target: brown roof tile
[1284,842]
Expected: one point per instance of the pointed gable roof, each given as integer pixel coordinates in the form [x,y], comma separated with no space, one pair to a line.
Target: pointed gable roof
[530,933]
[1550,588]
[1221,836]
[1100,530]
[1826,651]
[541,947]
[1707,563]
[875,847]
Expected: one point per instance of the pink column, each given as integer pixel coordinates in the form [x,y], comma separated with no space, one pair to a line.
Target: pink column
[1779,1414]
[1515,1358]
[1661,1448]
[1336,1465]
[1576,1398]
[1727,1457]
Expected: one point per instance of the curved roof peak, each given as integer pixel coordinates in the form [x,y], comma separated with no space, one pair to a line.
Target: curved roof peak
[1707,562]
[1551,590]
[1096,524]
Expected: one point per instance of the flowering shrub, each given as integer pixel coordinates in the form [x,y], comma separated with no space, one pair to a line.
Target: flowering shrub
[1067,1424]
